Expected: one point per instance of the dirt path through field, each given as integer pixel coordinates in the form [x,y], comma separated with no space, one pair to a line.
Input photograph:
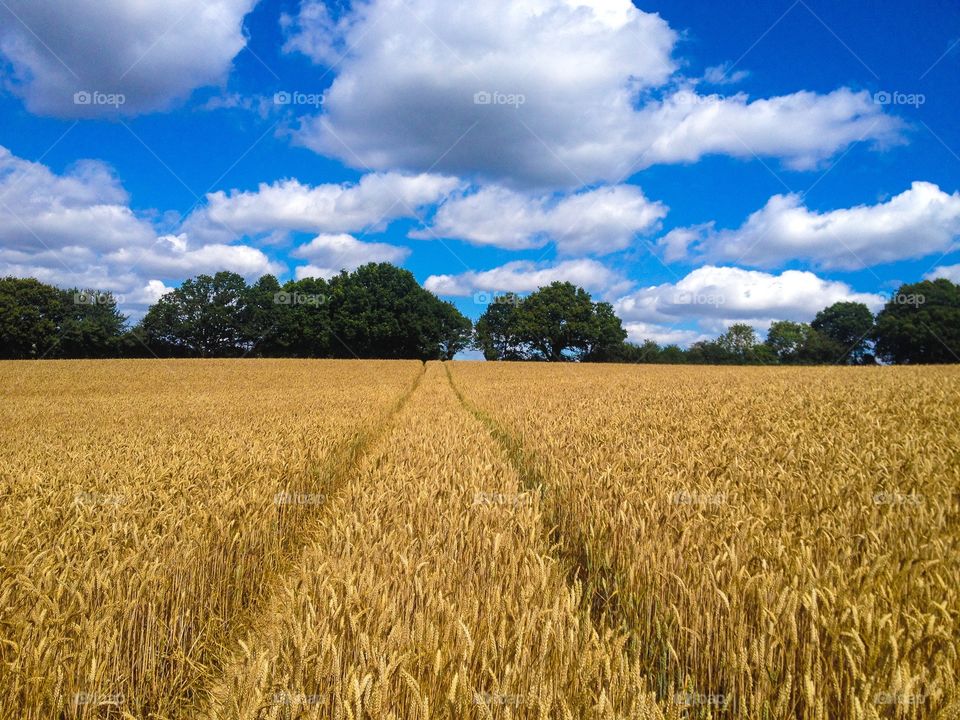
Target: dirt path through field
[431,589]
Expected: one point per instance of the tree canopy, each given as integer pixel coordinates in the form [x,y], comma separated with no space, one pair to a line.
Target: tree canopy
[42,321]
[376,311]
[849,325]
[921,324]
[380,311]
[558,322]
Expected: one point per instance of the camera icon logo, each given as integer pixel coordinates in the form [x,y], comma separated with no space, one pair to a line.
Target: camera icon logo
[282,98]
[882,98]
[482,98]
[282,298]
[82,98]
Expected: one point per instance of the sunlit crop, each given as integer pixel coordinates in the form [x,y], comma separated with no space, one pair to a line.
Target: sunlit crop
[311,539]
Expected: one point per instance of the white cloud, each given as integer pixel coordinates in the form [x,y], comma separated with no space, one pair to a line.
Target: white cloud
[949,272]
[597,221]
[716,297]
[174,257]
[369,204]
[408,71]
[803,128]
[522,276]
[722,75]
[153,52]
[150,293]
[637,332]
[329,254]
[84,207]
[917,222]
[76,229]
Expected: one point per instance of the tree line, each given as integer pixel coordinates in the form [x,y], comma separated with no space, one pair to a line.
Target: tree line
[377,311]
[380,311]
[919,324]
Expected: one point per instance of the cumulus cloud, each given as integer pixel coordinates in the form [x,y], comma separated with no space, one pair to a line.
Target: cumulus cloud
[174,256]
[329,254]
[637,332]
[369,204]
[76,229]
[803,128]
[151,52]
[597,221]
[522,276]
[719,296]
[949,272]
[85,206]
[917,222]
[550,93]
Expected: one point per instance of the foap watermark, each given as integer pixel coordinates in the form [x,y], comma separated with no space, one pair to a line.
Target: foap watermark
[908,299]
[700,499]
[698,699]
[289,498]
[492,297]
[898,499]
[99,99]
[688,97]
[885,97]
[96,298]
[898,698]
[93,499]
[485,97]
[494,699]
[299,298]
[97,698]
[699,298]
[285,697]
[502,499]
[295,97]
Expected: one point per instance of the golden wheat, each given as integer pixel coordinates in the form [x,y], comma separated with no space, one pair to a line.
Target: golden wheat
[146,506]
[776,542]
[312,539]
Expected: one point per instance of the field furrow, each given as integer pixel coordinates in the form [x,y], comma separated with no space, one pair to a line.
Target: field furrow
[774,543]
[433,591]
[146,509]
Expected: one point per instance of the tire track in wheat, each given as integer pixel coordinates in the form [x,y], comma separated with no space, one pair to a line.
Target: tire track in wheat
[259,628]
[432,592]
[598,580]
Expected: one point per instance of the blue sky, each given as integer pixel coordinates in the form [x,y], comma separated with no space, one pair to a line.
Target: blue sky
[696,164]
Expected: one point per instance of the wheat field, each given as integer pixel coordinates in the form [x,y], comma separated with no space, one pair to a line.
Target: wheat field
[344,539]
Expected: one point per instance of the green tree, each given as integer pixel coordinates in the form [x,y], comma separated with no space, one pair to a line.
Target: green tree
[707,352]
[647,352]
[493,333]
[786,339]
[205,317]
[555,322]
[91,326]
[561,322]
[380,311]
[849,325]
[42,321]
[738,346]
[607,338]
[673,355]
[921,324]
[31,316]
[798,343]
[265,317]
[301,312]
[454,331]
[739,342]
